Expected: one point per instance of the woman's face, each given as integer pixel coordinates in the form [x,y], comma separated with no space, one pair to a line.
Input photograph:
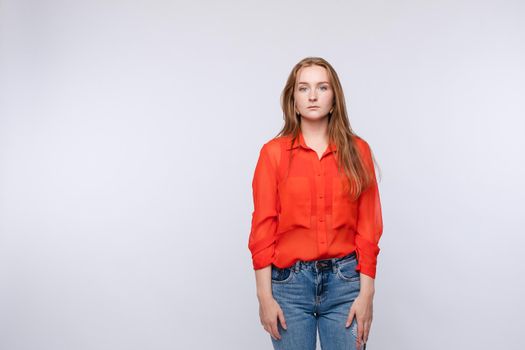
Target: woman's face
[313,93]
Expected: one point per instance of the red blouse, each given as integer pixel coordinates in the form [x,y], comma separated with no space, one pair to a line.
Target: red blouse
[307,216]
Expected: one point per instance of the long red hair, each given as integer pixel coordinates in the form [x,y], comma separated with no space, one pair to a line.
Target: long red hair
[339,129]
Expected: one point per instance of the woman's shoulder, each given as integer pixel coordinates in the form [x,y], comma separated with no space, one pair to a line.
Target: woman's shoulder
[361,143]
[275,143]
[272,148]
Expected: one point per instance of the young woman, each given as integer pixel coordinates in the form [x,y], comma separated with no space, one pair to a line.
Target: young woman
[317,219]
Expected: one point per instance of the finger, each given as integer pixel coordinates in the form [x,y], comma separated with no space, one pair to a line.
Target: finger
[282,320]
[350,318]
[268,329]
[359,345]
[367,330]
[275,331]
[360,330]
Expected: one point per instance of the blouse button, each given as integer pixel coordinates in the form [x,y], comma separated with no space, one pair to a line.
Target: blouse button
[321,219]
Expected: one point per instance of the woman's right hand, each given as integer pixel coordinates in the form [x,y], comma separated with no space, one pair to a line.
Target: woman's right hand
[270,313]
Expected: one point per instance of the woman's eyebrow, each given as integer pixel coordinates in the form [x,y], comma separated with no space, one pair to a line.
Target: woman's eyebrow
[321,82]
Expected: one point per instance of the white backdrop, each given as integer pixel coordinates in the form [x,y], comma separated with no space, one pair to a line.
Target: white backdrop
[129,132]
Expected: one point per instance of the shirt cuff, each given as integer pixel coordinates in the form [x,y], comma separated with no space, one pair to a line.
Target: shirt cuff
[263,258]
[367,253]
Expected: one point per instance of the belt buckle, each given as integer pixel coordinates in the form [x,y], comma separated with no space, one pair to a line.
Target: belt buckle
[323,263]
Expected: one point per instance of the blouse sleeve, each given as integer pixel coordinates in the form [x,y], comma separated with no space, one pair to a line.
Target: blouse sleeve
[369,222]
[264,216]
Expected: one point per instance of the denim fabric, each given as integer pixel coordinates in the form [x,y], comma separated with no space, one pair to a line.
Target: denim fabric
[317,296]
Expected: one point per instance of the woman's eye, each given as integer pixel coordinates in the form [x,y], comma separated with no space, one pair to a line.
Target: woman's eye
[302,88]
[324,87]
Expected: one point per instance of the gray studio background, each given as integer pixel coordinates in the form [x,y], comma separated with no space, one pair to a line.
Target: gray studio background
[129,132]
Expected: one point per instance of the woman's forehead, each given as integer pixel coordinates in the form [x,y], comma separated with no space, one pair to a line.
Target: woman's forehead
[312,74]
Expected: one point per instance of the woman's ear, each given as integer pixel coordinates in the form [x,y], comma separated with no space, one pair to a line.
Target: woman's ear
[295,110]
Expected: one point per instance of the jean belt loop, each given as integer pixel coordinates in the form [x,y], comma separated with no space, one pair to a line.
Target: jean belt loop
[334,265]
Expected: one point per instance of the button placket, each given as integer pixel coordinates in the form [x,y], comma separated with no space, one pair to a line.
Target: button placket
[320,188]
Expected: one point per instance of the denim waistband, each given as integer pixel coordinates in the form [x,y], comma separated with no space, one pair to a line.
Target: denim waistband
[323,264]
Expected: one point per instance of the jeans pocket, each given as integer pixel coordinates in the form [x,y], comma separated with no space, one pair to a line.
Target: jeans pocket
[282,275]
[346,271]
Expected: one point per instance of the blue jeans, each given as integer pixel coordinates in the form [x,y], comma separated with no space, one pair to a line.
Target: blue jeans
[317,295]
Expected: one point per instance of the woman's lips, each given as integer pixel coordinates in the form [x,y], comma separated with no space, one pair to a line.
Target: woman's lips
[314,107]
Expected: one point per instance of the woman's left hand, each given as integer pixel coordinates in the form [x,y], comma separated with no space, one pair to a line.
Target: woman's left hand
[362,309]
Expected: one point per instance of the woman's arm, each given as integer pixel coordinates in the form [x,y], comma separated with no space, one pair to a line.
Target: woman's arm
[269,310]
[369,231]
[367,285]
[262,239]
[264,216]
[369,220]
[264,282]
